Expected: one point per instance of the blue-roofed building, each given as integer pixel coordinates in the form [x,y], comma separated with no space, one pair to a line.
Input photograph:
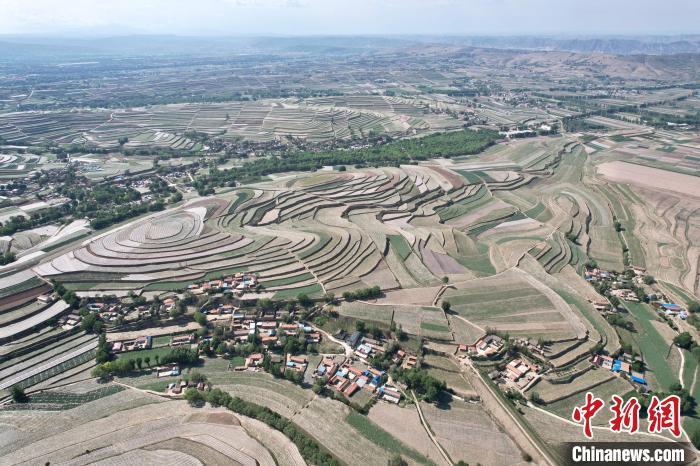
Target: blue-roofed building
[617,365]
[639,380]
[354,339]
[671,307]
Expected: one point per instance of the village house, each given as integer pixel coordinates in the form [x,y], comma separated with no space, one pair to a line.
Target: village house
[143,342]
[327,367]
[178,340]
[70,321]
[95,307]
[596,274]
[241,335]
[45,298]
[168,370]
[626,294]
[601,305]
[254,360]
[484,346]
[398,356]
[390,393]
[289,329]
[619,366]
[670,309]
[269,341]
[354,339]
[521,372]
[409,362]
[296,363]
[168,304]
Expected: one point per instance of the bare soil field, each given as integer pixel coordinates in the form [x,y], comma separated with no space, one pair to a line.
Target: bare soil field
[650,177]
[469,434]
[203,434]
[405,425]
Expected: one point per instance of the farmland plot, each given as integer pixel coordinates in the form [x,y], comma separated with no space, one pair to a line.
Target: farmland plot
[206,434]
[509,303]
[469,434]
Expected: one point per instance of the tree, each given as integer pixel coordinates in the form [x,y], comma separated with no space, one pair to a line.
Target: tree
[194,397]
[446,306]
[200,318]
[103,354]
[197,377]
[318,385]
[694,306]
[18,395]
[266,304]
[396,460]
[147,360]
[101,372]
[536,398]
[91,324]
[139,363]
[695,438]
[400,334]
[305,301]
[123,140]
[649,280]
[683,340]
[615,301]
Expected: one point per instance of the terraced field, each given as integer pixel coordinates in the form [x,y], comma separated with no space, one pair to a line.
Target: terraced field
[513,304]
[184,435]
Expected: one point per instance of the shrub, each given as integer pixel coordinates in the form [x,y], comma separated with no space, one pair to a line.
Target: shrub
[195,397]
[18,395]
[683,340]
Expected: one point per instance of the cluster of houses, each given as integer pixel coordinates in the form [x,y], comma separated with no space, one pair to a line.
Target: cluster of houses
[620,366]
[110,311]
[176,388]
[519,373]
[168,370]
[625,294]
[270,330]
[671,310]
[139,343]
[485,346]
[594,274]
[107,312]
[348,379]
[238,283]
[70,321]
[390,393]
[622,291]
[296,363]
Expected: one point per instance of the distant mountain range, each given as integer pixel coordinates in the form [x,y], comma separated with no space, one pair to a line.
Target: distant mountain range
[644,45]
[31,48]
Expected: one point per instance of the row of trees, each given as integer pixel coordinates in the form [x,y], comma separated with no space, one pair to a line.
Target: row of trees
[394,153]
[427,386]
[181,355]
[363,293]
[310,450]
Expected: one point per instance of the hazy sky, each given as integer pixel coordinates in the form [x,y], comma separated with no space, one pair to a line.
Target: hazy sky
[302,17]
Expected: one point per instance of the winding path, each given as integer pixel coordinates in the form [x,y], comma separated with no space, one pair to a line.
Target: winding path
[428,431]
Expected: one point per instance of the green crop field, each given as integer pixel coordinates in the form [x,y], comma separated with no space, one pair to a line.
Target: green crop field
[384,439]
